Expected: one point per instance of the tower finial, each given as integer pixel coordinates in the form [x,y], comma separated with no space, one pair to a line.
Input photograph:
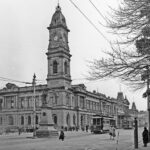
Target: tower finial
[58,7]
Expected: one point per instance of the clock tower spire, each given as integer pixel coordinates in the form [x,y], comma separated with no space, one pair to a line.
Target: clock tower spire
[58,54]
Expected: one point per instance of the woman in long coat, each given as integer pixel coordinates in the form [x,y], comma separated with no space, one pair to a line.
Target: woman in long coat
[145,136]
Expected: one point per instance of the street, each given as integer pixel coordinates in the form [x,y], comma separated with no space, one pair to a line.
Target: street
[73,141]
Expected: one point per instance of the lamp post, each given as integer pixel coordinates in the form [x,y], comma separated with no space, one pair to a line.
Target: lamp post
[34,106]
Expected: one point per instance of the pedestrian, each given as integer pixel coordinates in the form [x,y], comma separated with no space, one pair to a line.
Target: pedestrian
[145,137]
[87,127]
[62,135]
[110,132]
[92,128]
[19,131]
[113,132]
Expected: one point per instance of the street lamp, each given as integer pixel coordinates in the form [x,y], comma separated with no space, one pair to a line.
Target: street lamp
[34,106]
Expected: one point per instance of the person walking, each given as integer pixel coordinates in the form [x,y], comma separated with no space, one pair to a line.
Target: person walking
[110,132]
[19,131]
[145,137]
[62,135]
[87,127]
[113,132]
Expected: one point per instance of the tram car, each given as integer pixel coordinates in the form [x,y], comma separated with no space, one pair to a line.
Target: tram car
[100,124]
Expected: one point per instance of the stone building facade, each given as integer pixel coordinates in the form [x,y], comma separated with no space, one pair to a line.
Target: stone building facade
[72,106]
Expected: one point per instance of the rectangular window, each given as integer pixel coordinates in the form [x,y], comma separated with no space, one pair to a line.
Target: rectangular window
[22,102]
[88,104]
[67,99]
[1,120]
[40,102]
[81,102]
[12,103]
[37,101]
[97,106]
[52,99]
[94,106]
[1,102]
[91,105]
[73,101]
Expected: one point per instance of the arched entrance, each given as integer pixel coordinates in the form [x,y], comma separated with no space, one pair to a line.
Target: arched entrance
[55,119]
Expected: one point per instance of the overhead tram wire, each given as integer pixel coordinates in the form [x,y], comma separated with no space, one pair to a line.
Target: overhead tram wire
[98,10]
[12,80]
[101,15]
[90,22]
[74,80]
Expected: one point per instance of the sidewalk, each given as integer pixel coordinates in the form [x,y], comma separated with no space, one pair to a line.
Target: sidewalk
[68,134]
[141,147]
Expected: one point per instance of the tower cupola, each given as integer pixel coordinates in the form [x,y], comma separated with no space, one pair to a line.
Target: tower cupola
[58,54]
[58,19]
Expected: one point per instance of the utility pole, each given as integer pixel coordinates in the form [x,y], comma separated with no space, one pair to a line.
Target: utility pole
[147,94]
[135,133]
[34,106]
[148,103]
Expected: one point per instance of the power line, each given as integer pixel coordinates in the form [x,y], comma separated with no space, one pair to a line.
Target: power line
[90,21]
[100,15]
[97,10]
[74,79]
[12,80]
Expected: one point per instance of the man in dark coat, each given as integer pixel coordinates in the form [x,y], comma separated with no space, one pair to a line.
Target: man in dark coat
[62,135]
[145,136]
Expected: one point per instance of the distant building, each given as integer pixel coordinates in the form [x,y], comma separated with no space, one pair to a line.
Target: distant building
[72,106]
[143,119]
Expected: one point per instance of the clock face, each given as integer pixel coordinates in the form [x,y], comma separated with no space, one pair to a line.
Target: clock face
[55,38]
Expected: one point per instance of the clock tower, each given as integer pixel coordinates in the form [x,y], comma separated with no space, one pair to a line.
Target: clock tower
[58,54]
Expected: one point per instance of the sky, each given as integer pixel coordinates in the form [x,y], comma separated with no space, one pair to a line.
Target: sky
[24,42]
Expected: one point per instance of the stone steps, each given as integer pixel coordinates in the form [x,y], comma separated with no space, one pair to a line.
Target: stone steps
[46,133]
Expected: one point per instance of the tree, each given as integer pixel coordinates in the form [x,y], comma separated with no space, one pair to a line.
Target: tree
[130,20]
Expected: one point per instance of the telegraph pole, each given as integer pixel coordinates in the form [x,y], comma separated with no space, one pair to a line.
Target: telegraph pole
[147,94]
[148,103]
[135,133]
[34,106]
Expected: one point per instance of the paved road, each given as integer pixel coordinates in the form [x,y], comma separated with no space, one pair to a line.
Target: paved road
[73,141]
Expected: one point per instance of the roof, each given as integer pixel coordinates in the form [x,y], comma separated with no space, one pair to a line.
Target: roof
[58,19]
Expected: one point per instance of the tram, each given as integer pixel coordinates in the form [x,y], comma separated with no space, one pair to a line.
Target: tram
[127,124]
[100,124]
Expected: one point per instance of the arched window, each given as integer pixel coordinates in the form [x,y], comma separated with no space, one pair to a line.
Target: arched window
[55,118]
[22,120]
[55,67]
[74,119]
[68,119]
[29,120]
[10,120]
[37,119]
[65,67]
